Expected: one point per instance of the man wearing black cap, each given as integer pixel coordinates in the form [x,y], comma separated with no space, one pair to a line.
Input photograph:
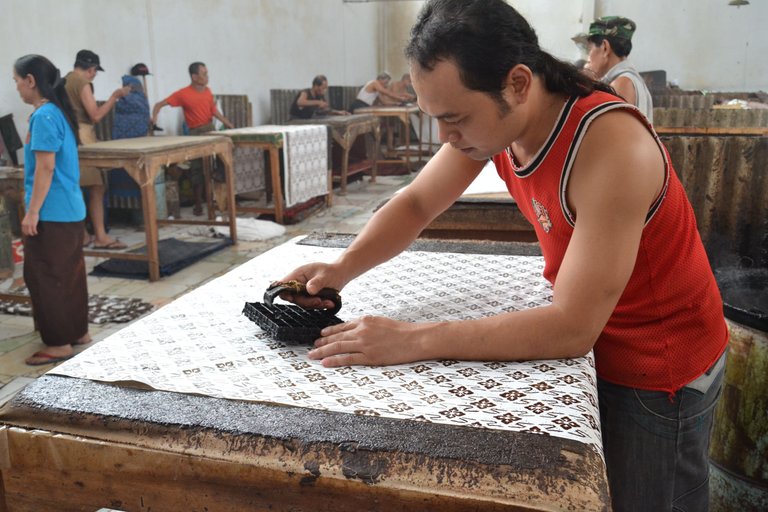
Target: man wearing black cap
[79,87]
[609,42]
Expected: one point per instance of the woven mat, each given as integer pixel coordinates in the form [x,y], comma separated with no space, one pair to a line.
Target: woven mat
[174,255]
[101,309]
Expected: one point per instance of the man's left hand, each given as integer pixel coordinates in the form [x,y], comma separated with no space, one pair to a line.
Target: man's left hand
[370,340]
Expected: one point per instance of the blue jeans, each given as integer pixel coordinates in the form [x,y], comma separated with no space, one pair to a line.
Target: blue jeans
[656,445]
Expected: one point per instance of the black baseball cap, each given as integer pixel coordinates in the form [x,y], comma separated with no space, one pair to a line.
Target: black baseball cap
[140,69]
[86,59]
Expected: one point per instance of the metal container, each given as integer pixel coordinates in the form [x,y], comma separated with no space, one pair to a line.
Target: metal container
[739,442]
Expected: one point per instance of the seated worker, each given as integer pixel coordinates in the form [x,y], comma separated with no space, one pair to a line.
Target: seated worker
[196,100]
[375,89]
[79,87]
[312,102]
[609,43]
[402,88]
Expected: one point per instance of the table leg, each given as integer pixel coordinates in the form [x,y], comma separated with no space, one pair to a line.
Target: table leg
[208,186]
[347,146]
[229,175]
[376,149]
[150,223]
[430,147]
[407,127]
[277,184]
[421,137]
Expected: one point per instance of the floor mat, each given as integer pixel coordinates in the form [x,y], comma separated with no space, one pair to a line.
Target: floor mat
[174,255]
[101,309]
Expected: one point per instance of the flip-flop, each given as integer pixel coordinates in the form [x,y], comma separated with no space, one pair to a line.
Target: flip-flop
[45,358]
[114,245]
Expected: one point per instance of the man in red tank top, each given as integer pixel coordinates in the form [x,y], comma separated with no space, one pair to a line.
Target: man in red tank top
[629,273]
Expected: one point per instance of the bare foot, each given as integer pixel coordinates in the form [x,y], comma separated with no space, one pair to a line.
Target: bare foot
[109,244]
[84,340]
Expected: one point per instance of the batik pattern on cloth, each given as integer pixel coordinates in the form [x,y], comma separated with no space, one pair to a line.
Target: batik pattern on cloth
[305,157]
[306,163]
[101,309]
[202,344]
[249,169]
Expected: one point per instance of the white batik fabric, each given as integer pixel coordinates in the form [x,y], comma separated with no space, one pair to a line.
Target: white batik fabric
[249,169]
[201,343]
[305,150]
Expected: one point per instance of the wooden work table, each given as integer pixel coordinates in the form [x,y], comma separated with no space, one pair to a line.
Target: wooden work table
[344,131]
[143,158]
[493,216]
[204,412]
[402,113]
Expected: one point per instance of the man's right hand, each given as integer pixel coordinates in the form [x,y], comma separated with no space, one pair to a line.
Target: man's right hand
[316,276]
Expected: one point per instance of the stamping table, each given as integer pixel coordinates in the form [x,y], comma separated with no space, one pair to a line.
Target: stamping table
[344,131]
[143,158]
[194,408]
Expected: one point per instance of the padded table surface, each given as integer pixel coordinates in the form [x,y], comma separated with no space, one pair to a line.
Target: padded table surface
[200,395]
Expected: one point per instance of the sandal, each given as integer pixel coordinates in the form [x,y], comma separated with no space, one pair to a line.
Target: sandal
[40,358]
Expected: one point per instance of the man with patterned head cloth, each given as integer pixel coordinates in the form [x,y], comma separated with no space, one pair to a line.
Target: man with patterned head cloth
[609,42]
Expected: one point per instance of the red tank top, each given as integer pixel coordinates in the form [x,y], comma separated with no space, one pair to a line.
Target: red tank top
[668,326]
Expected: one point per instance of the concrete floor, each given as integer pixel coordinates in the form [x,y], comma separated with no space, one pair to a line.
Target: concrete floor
[18,339]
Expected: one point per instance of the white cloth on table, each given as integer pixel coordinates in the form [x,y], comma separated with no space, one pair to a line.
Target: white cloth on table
[202,344]
[305,161]
[249,169]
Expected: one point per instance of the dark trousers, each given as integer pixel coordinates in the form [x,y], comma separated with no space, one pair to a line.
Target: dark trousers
[656,446]
[358,104]
[54,272]
[196,175]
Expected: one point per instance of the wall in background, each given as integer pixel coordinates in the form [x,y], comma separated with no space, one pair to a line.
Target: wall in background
[702,44]
[249,46]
